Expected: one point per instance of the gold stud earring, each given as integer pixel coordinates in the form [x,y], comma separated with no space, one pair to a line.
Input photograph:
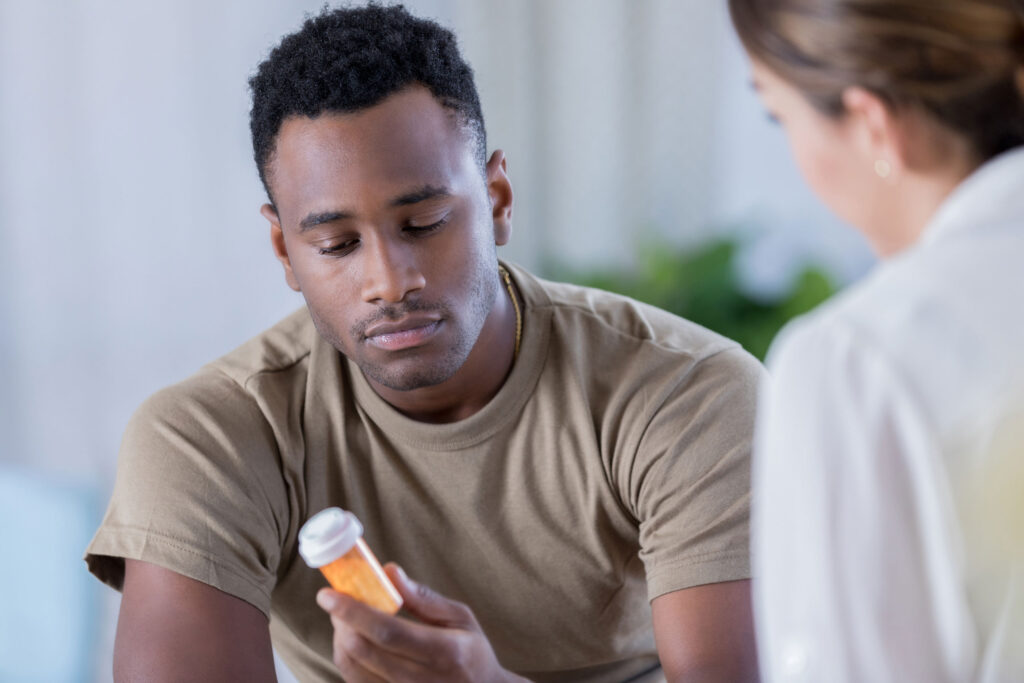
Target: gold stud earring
[882,168]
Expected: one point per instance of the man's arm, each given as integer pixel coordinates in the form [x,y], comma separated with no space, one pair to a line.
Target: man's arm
[691,494]
[706,633]
[173,628]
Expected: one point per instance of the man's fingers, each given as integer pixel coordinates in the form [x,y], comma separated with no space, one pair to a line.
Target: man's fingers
[372,659]
[351,668]
[447,646]
[398,636]
[429,605]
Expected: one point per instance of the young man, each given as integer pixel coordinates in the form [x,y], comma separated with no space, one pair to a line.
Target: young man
[566,468]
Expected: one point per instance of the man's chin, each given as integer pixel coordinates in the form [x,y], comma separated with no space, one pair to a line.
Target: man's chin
[408,378]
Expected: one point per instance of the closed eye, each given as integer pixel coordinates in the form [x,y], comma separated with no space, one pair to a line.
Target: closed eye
[347,246]
[340,249]
[424,230]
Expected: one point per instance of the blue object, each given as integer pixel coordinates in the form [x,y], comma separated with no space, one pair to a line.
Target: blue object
[48,600]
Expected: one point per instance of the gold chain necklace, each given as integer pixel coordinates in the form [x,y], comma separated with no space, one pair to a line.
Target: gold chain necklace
[515,304]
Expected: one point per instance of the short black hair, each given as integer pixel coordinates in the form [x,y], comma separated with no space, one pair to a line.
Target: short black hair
[347,59]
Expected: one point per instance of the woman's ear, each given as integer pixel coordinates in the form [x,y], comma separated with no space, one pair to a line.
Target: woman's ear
[499,191]
[877,132]
[279,246]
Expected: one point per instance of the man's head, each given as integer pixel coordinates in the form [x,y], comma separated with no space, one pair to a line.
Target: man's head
[345,60]
[380,214]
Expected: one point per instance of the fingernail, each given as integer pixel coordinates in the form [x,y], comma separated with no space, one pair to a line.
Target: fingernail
[326,600]
[403,576]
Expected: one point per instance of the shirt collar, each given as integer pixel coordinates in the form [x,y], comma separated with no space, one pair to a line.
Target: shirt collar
[993,192]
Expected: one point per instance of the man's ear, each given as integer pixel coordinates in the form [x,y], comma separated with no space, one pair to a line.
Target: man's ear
[878,131]
[277,242]
[499,190]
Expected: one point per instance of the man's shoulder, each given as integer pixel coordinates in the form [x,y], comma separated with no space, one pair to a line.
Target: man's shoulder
[586,313]
[277,348]
[232,382]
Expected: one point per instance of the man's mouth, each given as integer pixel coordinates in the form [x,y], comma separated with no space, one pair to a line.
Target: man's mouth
[402,334]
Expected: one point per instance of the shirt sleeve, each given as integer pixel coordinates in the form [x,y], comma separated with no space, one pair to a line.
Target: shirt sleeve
[855,571]
[691,491]
[198,491]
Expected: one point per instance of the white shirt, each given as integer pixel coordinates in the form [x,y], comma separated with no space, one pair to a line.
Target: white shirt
[888,509]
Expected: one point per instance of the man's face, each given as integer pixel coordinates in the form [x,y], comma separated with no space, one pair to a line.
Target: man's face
[385,224]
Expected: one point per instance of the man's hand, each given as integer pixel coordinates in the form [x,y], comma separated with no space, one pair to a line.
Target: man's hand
[448,645]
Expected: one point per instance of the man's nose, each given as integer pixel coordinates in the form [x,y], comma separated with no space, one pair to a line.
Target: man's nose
[391,272]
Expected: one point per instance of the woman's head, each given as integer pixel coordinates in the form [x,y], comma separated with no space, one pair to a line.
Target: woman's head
[960,61]
[929,83]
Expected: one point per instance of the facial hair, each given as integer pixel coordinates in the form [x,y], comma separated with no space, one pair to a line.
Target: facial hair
[483,286]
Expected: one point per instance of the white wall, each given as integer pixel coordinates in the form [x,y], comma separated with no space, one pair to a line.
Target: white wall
[132,248]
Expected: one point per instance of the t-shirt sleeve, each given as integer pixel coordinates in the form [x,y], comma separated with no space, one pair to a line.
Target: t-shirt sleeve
[857,579]
[690,486]
[198,491]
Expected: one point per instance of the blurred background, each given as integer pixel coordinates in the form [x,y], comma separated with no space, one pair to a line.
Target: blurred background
[133,252]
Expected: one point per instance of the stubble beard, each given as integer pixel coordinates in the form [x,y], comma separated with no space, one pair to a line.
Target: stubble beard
[484,287]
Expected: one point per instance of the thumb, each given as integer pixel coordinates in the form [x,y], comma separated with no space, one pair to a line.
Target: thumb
[428,605]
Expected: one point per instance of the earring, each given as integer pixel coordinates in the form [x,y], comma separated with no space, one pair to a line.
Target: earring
[882,168]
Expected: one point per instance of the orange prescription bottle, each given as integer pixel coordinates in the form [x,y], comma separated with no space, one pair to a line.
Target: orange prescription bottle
[332,541]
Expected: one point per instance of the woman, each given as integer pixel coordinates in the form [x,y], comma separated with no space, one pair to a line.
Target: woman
[879,430]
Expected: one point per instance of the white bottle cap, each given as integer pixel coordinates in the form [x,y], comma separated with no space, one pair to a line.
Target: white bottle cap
[328,535]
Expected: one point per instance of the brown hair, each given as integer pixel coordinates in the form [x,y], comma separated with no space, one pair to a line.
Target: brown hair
[962,61]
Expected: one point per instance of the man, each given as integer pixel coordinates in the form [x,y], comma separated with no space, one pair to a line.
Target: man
[567,469]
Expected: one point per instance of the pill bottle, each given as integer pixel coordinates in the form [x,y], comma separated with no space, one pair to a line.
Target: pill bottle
[332,541]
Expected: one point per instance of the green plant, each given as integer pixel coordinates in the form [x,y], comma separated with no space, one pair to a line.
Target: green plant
[702,285]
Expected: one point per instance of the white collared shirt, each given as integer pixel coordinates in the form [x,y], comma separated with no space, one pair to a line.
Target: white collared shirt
[888,530]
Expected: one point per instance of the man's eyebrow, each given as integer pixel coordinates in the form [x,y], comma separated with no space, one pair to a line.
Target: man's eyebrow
[315,219]
[415,197]
[421,195]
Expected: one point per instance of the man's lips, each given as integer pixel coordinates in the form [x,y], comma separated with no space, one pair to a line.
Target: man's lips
[402,334]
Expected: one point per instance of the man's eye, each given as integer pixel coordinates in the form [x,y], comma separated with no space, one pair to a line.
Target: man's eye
[339,249]
[425,229]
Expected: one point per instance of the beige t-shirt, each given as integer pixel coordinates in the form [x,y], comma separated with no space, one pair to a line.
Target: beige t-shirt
[612,467]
